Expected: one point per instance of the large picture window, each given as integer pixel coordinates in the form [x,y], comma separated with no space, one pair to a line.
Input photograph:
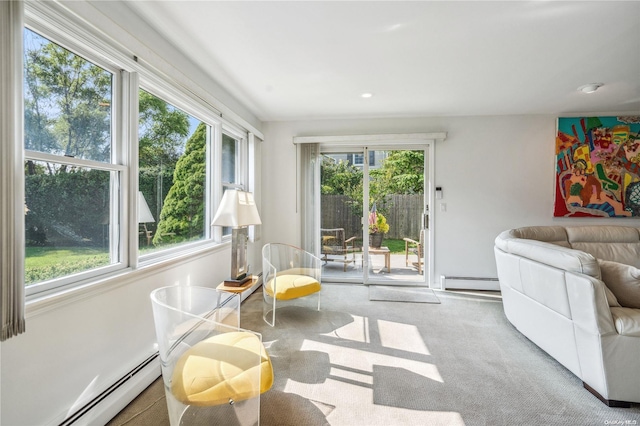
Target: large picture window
[80,187]
[71,182]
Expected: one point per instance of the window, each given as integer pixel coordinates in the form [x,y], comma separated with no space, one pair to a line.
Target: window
[72,185]
[230,167]
[229,160]
[172,151]
[79,185]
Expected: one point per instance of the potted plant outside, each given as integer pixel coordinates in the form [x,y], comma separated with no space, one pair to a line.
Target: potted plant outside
[378,226]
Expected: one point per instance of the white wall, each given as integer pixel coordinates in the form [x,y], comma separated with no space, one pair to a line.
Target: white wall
[75,348]
[496,173]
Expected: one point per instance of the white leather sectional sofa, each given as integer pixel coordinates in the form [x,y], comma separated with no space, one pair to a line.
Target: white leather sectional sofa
[575,292]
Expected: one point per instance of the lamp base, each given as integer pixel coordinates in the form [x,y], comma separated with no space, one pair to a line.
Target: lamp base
[236,283]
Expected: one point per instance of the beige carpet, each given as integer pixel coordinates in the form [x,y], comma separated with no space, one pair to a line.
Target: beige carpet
[361,362]
[395,293]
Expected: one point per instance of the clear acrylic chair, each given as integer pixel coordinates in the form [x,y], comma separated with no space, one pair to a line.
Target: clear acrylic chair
[213,373]
[290,273]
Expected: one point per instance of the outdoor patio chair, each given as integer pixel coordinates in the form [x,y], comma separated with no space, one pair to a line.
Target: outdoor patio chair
[416,248]
[290,273]
[212,373]
[335,248]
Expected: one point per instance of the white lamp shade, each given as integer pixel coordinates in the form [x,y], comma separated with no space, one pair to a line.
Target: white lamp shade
[144,214]
[237,208]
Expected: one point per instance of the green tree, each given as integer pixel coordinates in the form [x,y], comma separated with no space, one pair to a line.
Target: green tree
[402,172]
[162,131]
[67,102]
[182,216]
[340,177]
[67,111]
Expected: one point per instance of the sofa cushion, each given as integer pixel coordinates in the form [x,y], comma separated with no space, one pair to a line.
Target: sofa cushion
[291,286]
[550,234]
[623,281]
[612,300]
[554,255]
[627,321]
[615,243]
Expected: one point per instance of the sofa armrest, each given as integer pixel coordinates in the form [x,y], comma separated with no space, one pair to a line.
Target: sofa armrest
[551,254]
[626,320]
[590,309]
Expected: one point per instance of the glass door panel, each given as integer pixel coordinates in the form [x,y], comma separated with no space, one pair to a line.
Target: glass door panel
[341,201]
[396,218]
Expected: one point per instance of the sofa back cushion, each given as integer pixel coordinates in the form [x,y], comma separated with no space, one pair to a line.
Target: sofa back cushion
[550,234]
[623,281]
[614,243]
[553,255]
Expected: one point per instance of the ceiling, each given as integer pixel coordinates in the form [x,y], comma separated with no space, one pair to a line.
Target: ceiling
[313,60]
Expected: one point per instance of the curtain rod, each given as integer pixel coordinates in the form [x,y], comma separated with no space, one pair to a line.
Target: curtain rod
[407,138]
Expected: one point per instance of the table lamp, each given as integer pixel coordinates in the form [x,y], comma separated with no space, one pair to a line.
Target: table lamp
[237,210]
[144,216]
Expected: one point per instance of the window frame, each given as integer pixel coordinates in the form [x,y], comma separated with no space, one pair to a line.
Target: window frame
[118,248]
[129,76]
[179,101]
[241,158]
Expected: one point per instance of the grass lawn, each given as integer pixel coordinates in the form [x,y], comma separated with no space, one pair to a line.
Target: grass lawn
[45,263]
[396,246]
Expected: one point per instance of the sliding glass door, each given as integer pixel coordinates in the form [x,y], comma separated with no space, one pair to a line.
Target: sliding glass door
[373,223]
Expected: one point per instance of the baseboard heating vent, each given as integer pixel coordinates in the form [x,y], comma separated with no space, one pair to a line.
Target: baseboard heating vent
[83,416]
[468,283]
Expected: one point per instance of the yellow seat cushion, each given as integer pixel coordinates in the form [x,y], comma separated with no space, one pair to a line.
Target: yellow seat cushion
[221,368]
[291,286]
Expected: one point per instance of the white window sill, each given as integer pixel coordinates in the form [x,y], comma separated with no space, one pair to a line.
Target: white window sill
[42,303]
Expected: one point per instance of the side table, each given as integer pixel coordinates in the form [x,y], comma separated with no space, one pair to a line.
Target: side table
[387,255]
[232,305]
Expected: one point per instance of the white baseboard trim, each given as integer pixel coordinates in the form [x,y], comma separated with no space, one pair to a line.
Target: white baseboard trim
[118,397]
[469,283]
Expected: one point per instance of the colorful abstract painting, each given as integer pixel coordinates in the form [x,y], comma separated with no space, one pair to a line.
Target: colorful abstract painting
[598,167]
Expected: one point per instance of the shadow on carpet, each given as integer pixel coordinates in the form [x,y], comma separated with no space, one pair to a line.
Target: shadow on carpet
[390,293]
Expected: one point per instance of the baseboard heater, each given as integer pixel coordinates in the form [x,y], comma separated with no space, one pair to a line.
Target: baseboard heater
[124,390]
[469,283]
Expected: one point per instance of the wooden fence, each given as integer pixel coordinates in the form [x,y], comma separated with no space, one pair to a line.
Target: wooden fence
[403,213]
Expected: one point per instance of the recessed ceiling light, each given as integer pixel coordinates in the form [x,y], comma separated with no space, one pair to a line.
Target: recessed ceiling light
[367,95]
[590,88]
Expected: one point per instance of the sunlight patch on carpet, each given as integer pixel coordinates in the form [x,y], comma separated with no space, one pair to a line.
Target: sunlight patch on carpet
[357,330]
[405,337]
